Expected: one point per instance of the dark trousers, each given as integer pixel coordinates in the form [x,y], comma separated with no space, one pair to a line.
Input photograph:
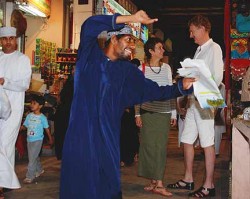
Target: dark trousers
[129,137]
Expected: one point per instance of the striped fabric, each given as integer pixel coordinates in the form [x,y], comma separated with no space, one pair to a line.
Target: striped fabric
[163,78]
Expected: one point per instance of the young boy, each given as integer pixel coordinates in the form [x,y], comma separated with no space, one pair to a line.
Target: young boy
[35,123]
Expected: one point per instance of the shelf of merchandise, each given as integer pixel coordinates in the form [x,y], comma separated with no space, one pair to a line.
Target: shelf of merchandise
[66,61]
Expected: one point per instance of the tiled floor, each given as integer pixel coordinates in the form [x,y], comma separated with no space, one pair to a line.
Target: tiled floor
[47,186]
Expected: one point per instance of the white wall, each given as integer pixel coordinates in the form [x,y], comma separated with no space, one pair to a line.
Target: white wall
[47,29]
[81,13]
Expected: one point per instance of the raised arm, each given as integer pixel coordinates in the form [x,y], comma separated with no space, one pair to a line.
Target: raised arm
[94,25]
[140,16]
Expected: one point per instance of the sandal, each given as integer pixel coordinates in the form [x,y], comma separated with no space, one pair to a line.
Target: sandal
[200,194]
[150,186]
[38,174]
[27,181]
[162,191]
[178,185]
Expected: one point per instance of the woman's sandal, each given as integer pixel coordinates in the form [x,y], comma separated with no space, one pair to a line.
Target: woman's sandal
[150,186]
[199,193]
[178,185]
[162,191]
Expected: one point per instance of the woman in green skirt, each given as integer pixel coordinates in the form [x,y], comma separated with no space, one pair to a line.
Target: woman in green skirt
[154,119]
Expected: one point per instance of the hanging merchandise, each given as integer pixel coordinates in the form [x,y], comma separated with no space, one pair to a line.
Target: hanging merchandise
[246,114]
[19,22]
[144,33]
[239,68]
[239,45]
[240,55]
[239,49]
[245,94]
[45,59]
[243,17]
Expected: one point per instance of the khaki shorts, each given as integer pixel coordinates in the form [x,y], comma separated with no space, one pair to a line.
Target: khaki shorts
[195,126]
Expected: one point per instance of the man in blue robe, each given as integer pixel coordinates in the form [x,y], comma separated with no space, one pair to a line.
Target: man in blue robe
[105,83]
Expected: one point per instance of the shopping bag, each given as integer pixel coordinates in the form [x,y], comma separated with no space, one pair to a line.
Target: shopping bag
[5,108]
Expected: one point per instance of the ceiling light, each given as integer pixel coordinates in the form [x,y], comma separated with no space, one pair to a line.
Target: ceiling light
[31,10]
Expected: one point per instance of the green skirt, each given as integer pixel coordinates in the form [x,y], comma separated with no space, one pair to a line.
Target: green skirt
[153,145]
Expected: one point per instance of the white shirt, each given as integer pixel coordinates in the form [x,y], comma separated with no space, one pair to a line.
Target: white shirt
[15,68]
[211,53]
[162,76]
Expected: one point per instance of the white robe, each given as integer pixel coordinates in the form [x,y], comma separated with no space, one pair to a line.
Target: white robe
[15,68]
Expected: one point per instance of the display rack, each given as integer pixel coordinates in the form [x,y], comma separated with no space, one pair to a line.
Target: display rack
[240,59]
[45,53]
[66,61]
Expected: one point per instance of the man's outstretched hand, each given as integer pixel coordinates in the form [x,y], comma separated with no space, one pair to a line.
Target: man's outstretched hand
[187,83]
[142,17]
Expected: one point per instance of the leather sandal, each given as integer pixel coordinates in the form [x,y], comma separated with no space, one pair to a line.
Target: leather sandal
[162,191]
[178,185]
[199,193]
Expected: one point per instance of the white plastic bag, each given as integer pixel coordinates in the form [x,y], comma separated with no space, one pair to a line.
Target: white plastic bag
[205,89]
[5,108]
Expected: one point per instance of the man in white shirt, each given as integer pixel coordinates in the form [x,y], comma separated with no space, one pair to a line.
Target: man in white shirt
[198,121]
[15,74]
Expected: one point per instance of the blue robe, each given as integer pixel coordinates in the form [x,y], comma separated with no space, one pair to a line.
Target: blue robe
[102,89]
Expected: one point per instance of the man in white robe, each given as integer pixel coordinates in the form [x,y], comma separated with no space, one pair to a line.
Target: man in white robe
[15,74]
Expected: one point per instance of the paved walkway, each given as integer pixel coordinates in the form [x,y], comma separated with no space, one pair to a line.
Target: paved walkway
[47,186]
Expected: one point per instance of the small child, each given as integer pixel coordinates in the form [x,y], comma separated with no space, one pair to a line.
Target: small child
[35,123]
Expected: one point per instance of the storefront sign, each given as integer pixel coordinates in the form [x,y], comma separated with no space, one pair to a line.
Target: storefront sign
[42,5]
[110,7]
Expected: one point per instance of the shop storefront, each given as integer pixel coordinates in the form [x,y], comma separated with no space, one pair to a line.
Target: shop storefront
[40,30]
[45,33]
[50,34]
